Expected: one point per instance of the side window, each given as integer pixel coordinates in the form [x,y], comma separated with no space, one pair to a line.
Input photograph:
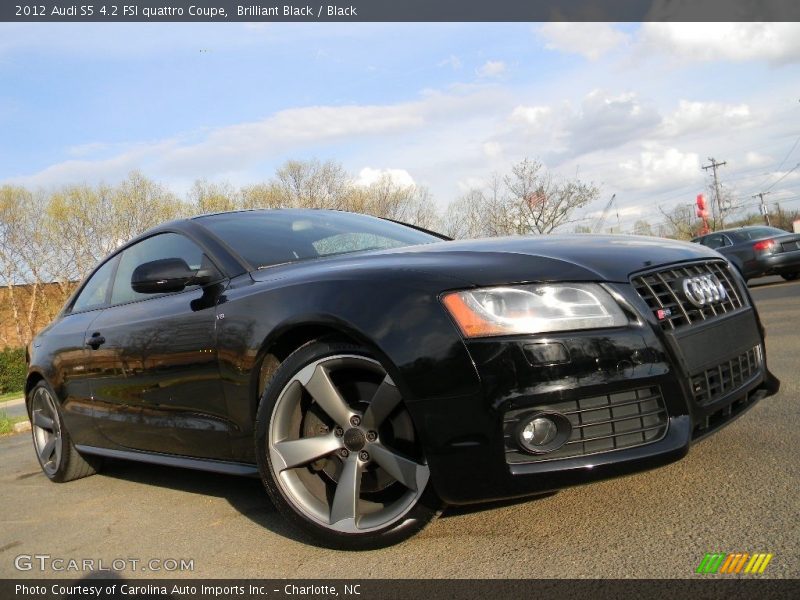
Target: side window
[714,241]
[94,293]
[163,245]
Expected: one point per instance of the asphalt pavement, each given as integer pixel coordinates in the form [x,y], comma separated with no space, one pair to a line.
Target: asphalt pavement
[737,491]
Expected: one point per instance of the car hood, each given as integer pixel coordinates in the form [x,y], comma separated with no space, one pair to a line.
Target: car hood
[497,261]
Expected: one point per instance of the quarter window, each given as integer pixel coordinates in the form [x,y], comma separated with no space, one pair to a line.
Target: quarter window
[163,245]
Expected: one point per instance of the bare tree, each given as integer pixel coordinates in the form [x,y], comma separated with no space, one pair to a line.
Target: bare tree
[643,227]
[208,197]
[261,195]
[392,200]
[528,200]
[464,218]
[312,184]
[679,223]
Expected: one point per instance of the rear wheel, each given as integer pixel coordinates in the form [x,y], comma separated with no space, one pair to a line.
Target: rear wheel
[338,452]
[790,276]
[57,455]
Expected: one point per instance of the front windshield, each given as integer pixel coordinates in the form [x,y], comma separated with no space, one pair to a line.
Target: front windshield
[270,237]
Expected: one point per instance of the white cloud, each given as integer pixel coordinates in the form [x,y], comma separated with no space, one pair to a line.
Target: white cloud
[471,183]
[658,166]
[367,176]
[698,117]
[451,61]
[492,68]
[774,42]
[754,159]
[591,40]
[534,117]
[607,120]
[232,149]
[492,149]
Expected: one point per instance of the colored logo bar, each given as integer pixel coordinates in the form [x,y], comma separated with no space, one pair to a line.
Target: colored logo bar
[733,563]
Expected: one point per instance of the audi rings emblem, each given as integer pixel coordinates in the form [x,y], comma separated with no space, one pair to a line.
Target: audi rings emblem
[703,290]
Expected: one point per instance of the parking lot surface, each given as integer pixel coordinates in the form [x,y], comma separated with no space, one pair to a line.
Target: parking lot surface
[738,491]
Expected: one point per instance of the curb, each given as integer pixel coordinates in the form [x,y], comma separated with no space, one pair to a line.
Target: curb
[22,426]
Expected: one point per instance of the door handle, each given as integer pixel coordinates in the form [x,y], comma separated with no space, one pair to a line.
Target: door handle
[96,341]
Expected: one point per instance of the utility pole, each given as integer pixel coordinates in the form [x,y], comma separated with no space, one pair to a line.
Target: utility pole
[716,206]
[764,210]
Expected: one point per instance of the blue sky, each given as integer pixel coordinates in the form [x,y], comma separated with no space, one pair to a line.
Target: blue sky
[637,109]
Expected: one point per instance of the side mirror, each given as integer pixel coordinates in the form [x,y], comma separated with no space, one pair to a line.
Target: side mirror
[166,275]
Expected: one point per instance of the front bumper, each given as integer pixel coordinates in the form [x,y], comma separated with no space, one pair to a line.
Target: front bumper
[473,458]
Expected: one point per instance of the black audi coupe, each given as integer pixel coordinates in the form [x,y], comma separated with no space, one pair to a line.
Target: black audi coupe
[371,372]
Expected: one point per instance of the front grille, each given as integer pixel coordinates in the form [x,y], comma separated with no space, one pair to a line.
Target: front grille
[599,424]
[712,422]
[726,377]
[663,293]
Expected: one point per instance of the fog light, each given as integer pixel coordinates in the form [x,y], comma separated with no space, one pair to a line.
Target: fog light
[540,433]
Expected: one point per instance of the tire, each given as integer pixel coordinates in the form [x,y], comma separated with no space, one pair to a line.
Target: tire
[56,453]
[363,482]
[790,276]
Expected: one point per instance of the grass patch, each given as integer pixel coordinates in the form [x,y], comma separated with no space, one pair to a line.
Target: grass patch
[7,423]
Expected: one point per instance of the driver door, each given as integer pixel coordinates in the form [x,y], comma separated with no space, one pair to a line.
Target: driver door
[160,389]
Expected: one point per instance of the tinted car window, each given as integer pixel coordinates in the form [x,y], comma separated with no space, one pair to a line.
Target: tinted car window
[164,245]
[265,238]
[95,291]
[715,241]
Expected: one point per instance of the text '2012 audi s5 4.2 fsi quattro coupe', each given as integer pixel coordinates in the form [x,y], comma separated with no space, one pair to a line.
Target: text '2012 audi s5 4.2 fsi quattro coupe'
[372,372]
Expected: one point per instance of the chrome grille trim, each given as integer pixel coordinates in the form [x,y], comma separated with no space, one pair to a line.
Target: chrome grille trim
[661,290]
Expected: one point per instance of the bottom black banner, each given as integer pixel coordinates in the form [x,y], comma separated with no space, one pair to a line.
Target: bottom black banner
[390,589]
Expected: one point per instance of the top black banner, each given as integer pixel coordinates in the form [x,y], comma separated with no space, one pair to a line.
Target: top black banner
[400,10]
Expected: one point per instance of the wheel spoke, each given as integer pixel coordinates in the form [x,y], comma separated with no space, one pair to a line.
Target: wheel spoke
[47,450]
[386,398]
[295,453]
[328,397]
[412,475]
[348,490]
[41,421]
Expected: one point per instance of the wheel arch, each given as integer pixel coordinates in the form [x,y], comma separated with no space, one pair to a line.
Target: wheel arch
[294,334]
[34,377]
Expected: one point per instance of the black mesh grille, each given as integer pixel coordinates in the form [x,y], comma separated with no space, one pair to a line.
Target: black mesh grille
[716,382]
[662,290]
[599,424]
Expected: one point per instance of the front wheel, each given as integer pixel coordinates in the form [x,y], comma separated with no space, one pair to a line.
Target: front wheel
[790,276]
[338,452]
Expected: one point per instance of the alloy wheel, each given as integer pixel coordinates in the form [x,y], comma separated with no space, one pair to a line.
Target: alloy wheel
[342,446]
[46,430]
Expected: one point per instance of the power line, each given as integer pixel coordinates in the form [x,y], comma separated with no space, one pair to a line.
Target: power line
[784,176]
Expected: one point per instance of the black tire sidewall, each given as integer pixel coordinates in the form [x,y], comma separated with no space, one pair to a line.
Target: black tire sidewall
[67,469]
[428,505]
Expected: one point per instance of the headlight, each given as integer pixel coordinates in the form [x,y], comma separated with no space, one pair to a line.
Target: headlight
[533,309]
